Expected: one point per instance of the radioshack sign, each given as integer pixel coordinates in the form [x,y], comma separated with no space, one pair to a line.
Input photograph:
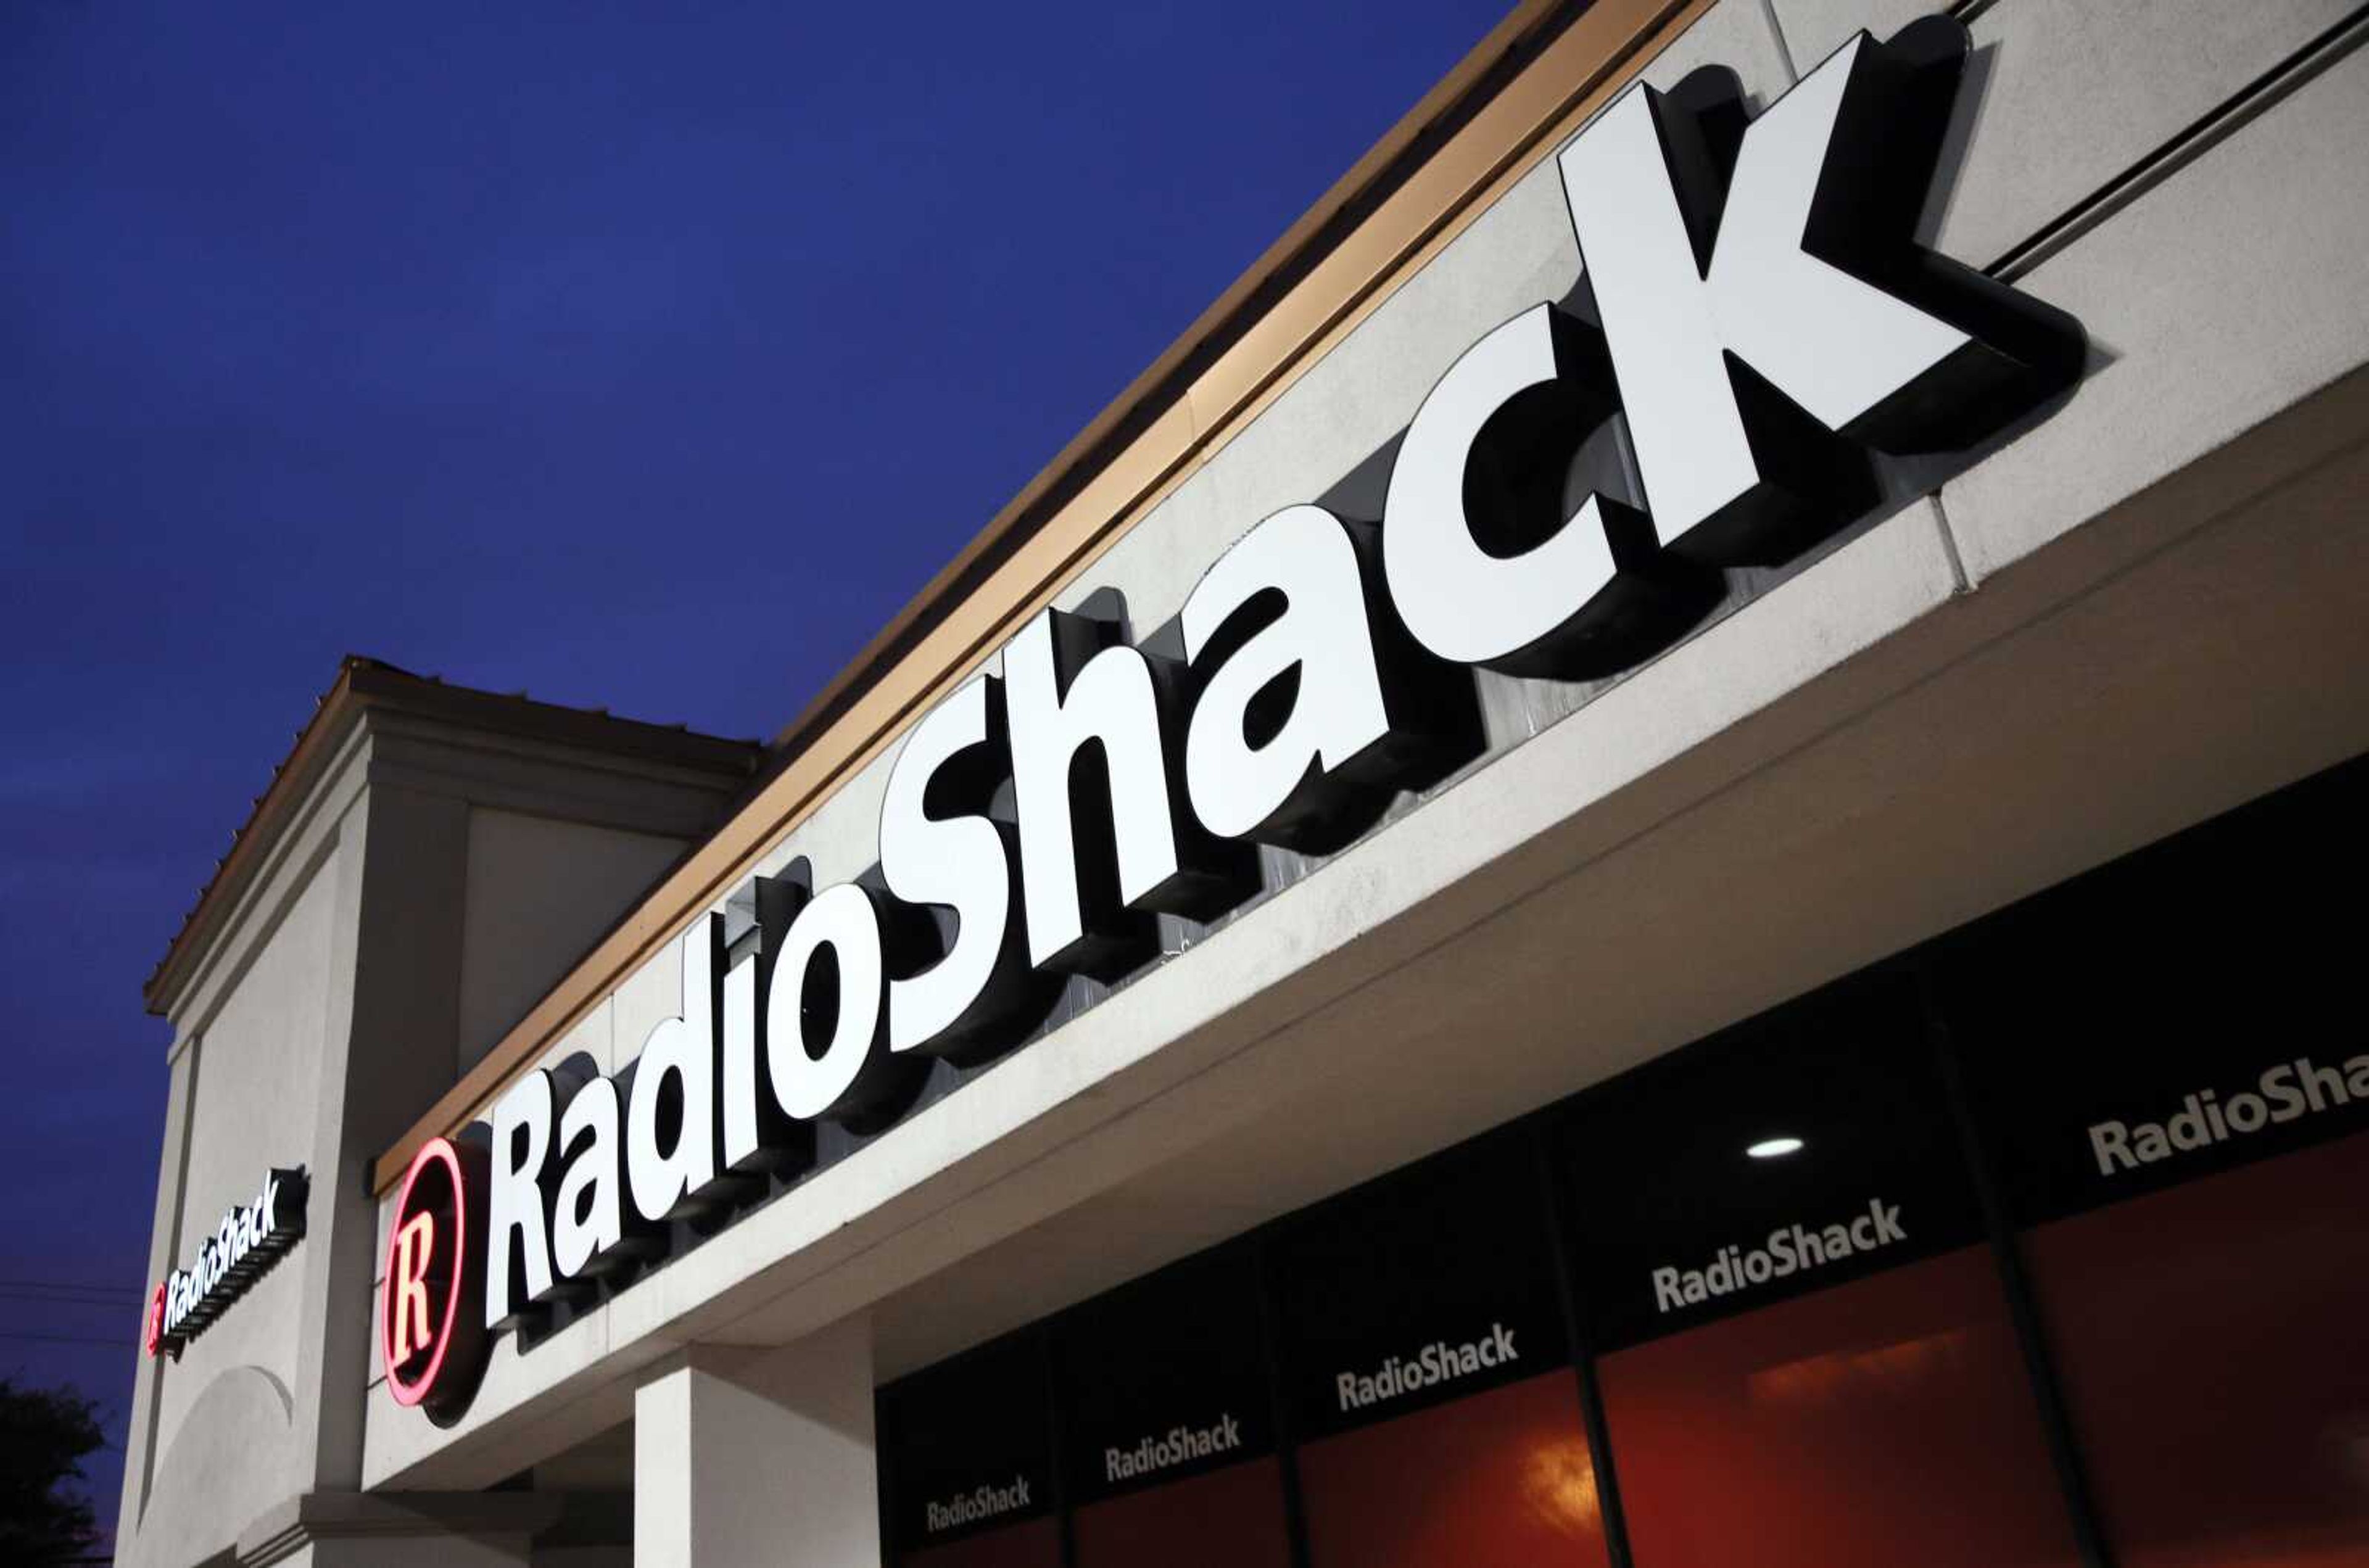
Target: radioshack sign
[239,1251]
[1766,321]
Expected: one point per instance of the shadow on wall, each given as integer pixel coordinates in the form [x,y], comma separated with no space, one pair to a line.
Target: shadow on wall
[227,1463]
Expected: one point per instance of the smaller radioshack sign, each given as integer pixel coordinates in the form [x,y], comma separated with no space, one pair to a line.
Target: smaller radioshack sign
[431,1304]
[238,1252]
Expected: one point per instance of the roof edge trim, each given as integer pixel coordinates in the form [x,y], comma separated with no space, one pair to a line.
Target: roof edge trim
[365,684]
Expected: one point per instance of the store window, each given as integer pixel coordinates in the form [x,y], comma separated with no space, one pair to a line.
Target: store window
[1804,1353]
[1427,1373]
[2169,1058]
[2139,1103]
[968,1479]
[1166,1425]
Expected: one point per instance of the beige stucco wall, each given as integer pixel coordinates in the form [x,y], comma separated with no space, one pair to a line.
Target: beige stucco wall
[326,1015]
[540,891]
[226,1440]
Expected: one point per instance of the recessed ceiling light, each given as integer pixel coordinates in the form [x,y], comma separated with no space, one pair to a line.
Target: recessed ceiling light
[1775,1148]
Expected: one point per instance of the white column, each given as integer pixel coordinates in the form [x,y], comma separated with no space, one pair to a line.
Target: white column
[746,1458]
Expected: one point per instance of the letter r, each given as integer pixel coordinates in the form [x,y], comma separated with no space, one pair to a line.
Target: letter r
[406,1287]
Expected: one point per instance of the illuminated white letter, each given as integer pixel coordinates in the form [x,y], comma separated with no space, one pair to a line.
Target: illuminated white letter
[956,858]
[829,1064]
[1693,276]
[587,1213]
[518,1250]
[1069,687]
[670,1160]
[1247,786]
[1472,573]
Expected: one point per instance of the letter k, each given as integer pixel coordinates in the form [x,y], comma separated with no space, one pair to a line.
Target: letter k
[1761,291]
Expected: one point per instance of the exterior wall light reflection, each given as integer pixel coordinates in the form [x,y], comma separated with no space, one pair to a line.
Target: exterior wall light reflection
[1774,1148]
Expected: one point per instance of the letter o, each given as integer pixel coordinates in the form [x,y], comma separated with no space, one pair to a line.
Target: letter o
[2247,1113]
[807,1085]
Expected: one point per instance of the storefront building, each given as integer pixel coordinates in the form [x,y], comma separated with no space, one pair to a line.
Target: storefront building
[1646,867]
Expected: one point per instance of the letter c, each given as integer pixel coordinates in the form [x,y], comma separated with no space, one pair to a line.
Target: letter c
[1463,571]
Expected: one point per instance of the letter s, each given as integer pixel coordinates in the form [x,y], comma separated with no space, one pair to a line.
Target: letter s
[2288,1100]
[939,849]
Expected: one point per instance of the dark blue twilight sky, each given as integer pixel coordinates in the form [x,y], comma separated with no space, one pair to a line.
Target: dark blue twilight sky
[640,354]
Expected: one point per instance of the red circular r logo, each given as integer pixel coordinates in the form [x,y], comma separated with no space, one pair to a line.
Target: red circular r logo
[431,1307]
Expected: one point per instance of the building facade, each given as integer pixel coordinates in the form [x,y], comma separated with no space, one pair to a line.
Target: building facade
[1646,865]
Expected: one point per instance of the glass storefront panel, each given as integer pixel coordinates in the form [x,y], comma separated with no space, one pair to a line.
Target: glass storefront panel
[1805,1354]
[968,1462]
[1034,1543]
[2166,1056]
[1501,1477]
[2089,1170]
[1233,1516]
[1165,1403]
[1430,1376]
